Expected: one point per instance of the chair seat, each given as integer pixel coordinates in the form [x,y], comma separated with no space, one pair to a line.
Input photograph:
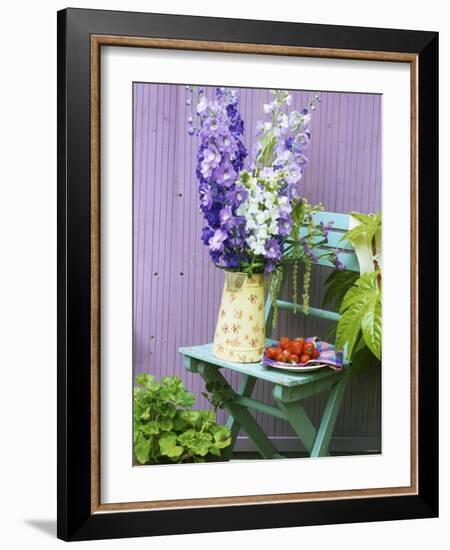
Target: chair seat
[283,378]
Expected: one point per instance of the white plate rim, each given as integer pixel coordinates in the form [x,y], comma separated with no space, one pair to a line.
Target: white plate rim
[298,369]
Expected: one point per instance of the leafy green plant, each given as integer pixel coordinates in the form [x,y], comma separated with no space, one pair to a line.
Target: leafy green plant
[370,224]
[358,296]
[361,311]
[167,429]
[338,283]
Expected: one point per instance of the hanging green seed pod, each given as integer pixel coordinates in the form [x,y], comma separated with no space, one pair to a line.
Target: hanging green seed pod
[275,287]
[306,287]
[294,285]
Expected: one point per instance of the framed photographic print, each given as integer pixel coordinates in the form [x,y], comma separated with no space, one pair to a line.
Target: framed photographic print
[247,274]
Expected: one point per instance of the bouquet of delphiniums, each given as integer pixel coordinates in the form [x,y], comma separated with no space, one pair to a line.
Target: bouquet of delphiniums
[254,212]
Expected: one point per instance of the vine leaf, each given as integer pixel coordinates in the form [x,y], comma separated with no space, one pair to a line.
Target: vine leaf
[338,283]
[370,224]
[371,326]
[361,311]
[349,326]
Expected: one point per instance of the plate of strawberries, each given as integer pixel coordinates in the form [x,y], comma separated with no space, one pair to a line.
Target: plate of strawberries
[294,354]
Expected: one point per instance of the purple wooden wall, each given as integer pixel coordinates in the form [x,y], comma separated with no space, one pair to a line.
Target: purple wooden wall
[176,287]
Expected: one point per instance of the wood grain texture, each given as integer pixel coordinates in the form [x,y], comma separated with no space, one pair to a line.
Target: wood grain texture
[260,49]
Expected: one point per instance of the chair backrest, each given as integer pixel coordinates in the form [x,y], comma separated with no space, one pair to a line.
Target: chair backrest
[339,227]
[347,256]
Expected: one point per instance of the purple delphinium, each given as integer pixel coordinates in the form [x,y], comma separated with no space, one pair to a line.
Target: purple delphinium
[337,262]
[284,226]
[220,158]
[207,233]
[309,252]
[248,212]
[227,219]
[273,249]
[216,241]
[325,228]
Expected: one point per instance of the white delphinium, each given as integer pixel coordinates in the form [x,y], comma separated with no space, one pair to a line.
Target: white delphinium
[281,124]
[260,210]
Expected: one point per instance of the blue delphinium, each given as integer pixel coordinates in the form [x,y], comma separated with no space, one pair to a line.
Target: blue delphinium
[220,158]
[248,210]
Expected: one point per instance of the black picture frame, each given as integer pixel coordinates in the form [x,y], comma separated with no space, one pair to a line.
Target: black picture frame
[75,518]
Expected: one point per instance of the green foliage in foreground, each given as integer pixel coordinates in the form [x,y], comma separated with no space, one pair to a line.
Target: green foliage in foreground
[358,297]
[167,429]
[368,227]
[361,311]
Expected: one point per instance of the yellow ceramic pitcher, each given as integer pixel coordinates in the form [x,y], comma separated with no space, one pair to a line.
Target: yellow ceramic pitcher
[240,329]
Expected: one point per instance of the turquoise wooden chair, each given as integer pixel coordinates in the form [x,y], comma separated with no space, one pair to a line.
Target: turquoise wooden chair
[289,388]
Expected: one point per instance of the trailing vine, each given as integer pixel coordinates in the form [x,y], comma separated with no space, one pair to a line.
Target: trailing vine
[305,240]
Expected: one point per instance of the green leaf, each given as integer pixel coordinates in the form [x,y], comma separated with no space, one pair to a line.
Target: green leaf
[190,417]
[338,284]
[168,445]
[187,437]
[359,304]
[145,414]
[268,143]
[220,432]
[360,344]
[217,447]
[348,327]
[178,421]
[372,228]
[214,450]
[142,449]
[150,428]
[370,224]
[371,326]
[353,234]
[147,381]
[244,176]
[354,295]
[198,419]
[187,399]
[165,424]
[135,431]
[166,409]
[363,358]
[162,419]
[197,442]
[222,437]
[368,281]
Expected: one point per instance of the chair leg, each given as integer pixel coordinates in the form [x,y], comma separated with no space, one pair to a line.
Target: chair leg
[330,414]
[297,418]
[241,414]
[245,389]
